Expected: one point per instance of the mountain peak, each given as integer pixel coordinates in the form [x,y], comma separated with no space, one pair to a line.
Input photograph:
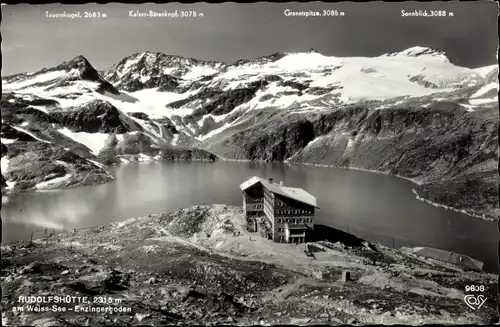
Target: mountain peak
[79,58]
[260,60]
[312,50]
[79,62]
[417,51]
[80,67]
[155,59]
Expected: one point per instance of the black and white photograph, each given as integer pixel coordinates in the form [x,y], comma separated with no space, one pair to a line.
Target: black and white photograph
[250,164]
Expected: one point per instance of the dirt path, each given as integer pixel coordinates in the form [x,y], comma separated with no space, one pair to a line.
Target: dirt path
[202,257]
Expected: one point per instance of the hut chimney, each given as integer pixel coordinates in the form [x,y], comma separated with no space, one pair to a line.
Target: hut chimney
[270,180]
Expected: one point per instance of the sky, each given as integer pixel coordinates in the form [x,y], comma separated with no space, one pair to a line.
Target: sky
[229,31]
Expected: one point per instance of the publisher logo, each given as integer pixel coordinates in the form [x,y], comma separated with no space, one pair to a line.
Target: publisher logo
[474,301]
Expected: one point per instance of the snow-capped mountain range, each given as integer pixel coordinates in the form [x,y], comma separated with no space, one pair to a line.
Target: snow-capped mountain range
[199,96]
[150,101]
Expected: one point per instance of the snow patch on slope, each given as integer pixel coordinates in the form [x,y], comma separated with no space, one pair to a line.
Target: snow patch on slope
[482,101]
[144,158]
[40,78]
[10,185]
[4,164]
[94,141]
[214,132]
[175,140]
[484,71]
[76,94]
[40,108]
[52,182]
[199,71]
[150,102]
[316,140]
[30,134]
[485,89]
[7,141]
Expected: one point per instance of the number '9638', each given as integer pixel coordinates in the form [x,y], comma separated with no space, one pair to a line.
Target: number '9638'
[474,288]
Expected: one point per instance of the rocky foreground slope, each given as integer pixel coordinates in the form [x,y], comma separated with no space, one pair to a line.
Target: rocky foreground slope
[199,266]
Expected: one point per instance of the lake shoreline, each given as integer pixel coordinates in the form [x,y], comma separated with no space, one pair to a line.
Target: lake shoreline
[413,180]
[418,197]
[13,192]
